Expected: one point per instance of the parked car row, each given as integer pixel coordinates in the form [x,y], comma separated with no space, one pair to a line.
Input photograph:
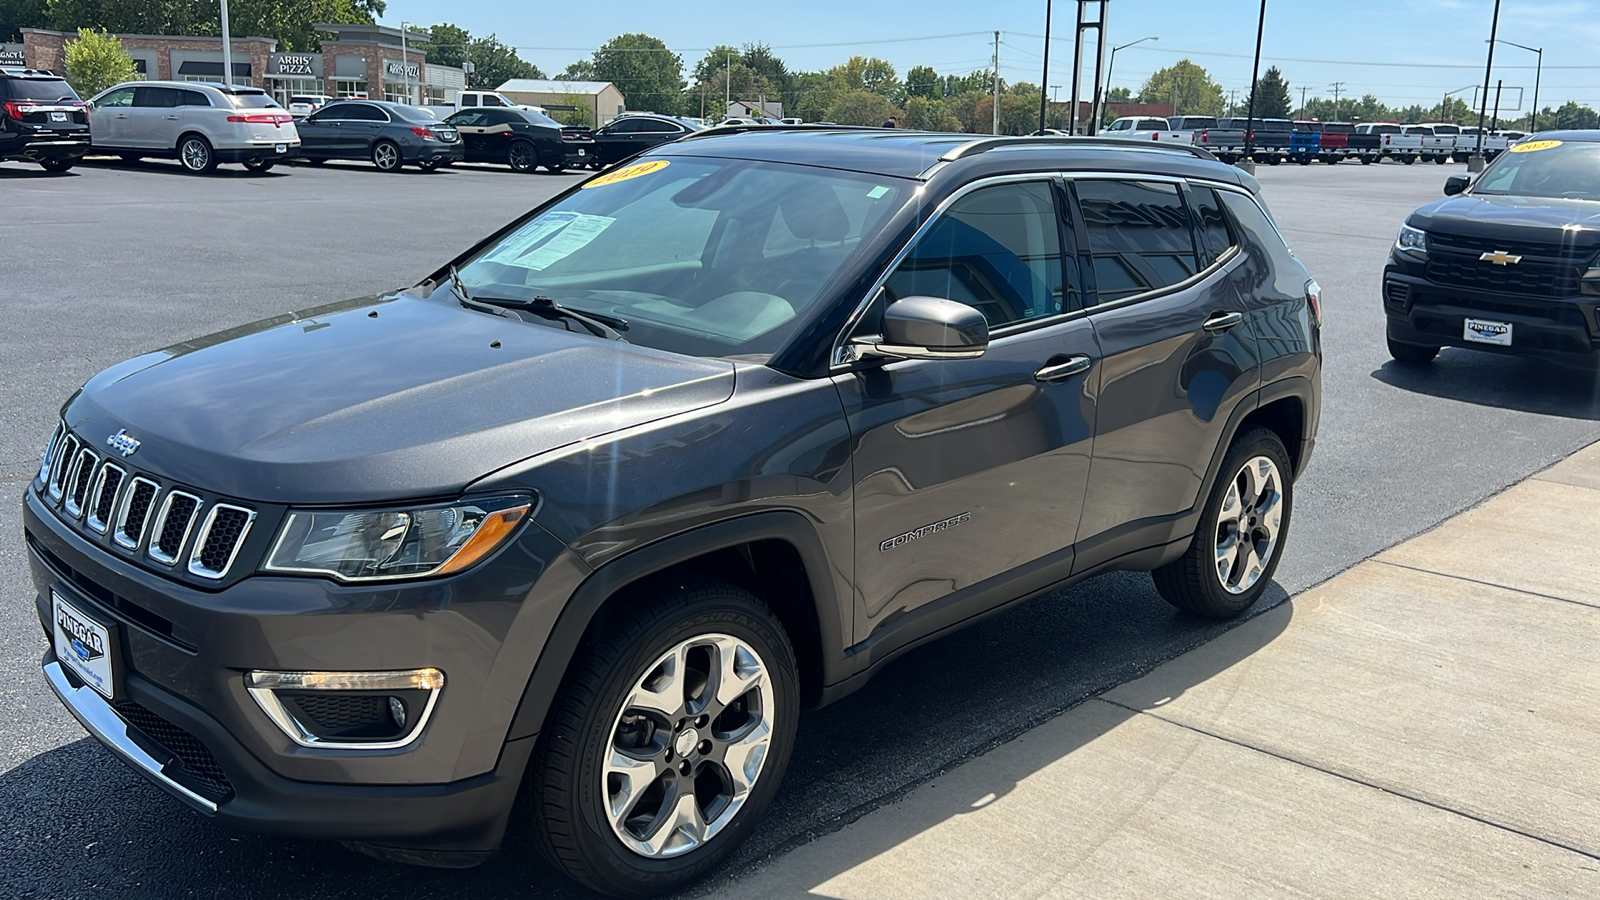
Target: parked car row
[1304,141]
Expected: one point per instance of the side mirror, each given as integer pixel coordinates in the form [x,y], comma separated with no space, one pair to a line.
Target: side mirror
[928,328]
[1455,184]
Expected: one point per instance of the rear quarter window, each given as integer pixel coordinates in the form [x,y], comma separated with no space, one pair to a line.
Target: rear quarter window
[1264,244]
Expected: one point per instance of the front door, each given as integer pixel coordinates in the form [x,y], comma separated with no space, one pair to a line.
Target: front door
[110,121]
[1174,323]
[969,469]
[470,125]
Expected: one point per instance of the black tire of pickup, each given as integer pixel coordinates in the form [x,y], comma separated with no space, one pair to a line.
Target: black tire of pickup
[566,784]
[1192,582]
[1411,354]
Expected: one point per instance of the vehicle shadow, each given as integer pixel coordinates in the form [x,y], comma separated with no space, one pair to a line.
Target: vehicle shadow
[104,829]
[171,167]
[31,170]
[1547,387]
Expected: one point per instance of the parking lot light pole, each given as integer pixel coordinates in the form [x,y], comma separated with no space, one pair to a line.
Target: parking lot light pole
[1538,72]
[1044,79]
[1248,162]
[227,48]
[1111,64]
[1476,163]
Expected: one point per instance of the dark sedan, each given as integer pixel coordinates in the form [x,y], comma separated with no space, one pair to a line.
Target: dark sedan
[1508,261]
[390,134]
[628,135]
[520,138]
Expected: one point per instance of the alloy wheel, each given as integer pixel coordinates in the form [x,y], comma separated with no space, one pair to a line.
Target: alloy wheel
[196,155]
[520,157]
[1249,524]
[386,157]
[688,745]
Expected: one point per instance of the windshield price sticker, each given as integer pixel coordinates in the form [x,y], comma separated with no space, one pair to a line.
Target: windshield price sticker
[627,172]
[1534,146]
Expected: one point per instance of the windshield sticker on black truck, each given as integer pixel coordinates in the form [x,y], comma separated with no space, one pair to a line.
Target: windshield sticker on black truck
[627,172]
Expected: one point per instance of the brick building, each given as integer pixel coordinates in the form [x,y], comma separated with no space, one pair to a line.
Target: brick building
[373,61]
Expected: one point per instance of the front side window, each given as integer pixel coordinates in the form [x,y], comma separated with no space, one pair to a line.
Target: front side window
[704,256]
[471,118]
[1139,236]
[998,250]
[117,98]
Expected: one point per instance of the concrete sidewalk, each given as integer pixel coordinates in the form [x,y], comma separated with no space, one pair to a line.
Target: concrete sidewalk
[1426,724]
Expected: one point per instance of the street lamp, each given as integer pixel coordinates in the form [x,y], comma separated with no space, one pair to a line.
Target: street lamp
[1475,163]
[227,48]
[1099,113]
[1537,72]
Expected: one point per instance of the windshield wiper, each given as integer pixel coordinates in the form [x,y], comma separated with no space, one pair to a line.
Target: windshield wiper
[597,324]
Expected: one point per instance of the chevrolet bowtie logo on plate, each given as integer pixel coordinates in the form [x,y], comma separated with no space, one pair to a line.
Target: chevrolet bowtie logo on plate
[1500,258]
[123,442]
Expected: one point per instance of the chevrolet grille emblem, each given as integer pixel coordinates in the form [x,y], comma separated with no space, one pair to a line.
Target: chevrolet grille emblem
[1500,258]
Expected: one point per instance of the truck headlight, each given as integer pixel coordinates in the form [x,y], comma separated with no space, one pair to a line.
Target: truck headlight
[1412,240]
[392,544]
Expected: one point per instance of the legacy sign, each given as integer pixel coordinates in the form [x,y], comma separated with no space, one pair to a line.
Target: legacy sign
[12,55]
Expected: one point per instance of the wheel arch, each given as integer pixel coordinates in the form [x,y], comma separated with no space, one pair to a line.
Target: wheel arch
[777,556]
[1284,416]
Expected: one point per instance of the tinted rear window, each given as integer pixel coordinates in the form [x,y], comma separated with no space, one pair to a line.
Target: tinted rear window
[46,90]
[1338,128]
[412,113]
[252,100]
[539,118]
[1383,129]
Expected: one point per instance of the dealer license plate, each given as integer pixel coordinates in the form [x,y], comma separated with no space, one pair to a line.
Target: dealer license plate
[280,148]
[83,645]
[58,117]
[1482,331]
[580,151]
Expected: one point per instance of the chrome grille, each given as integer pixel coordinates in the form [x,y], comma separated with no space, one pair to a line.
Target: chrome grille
[220,539]
[104,496]
[78,481]
[172,526]
[58,468]
[134,513]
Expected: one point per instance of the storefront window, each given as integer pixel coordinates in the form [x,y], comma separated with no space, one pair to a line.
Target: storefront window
[399,93]
[284,88]
[351,88]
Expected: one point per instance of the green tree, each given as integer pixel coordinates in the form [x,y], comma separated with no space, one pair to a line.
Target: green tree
[289,21]
[1188,87]
[865,73]
[580,114]
[649,75]
[860,107]
[923,81]
[446,43]
[1455,109]
[1572,114]
[979,82]
[582,70]
[763,63]
[929,114]
[96,61]
[493,63]
[1413,114]
[16,15]
[1273,102]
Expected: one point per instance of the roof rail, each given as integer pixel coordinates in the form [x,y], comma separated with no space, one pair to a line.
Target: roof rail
[974,147]
[717,130]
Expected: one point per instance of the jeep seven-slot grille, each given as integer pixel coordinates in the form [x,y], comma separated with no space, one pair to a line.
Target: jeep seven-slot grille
[138,512]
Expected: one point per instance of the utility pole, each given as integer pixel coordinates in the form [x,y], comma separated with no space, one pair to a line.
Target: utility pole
[1475,164]
[405,78]
[727,85]
[1337,88]
[227,48]
[1303,90]
[1233,95]
[996,83]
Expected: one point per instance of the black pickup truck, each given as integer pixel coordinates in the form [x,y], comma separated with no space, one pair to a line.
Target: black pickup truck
[1227,140]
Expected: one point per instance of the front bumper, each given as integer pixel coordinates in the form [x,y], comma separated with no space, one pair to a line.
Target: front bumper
[183,719]
[1423,312]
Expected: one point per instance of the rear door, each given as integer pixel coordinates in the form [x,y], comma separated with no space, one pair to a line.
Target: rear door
[362,125]
[193,112]
[968,470]
[1173,319]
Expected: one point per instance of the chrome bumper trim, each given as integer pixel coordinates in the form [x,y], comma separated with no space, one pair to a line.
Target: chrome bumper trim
[102,721]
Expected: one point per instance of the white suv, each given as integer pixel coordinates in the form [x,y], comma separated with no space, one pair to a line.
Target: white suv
[197,124]
[302,105]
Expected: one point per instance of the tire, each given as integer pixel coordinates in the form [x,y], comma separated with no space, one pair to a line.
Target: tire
[1304,160]
[430,165]
[259,165]
[1440,160]
[579,770]
[195,155]
[57,166]
[310,160]
[1366,160]
[1412,354]
[1274,160]
[522,156]
[386,156]
[1408,160]
[1254,495]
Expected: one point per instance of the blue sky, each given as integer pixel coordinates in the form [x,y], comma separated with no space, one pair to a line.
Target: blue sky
[1404,51]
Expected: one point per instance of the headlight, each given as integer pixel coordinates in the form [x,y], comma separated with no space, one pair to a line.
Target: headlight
[1412,240]
[385,545]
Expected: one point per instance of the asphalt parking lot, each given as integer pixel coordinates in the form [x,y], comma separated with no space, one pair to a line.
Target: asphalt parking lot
[109,261]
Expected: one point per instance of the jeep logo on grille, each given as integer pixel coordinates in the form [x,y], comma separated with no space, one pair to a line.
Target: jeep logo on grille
[123,443]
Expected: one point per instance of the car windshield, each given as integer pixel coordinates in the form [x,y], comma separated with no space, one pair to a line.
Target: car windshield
[40,90]
[1545,169]
[252,100]
[702,256]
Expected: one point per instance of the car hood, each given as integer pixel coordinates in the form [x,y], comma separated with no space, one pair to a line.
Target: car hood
[379,399]
[1523,220]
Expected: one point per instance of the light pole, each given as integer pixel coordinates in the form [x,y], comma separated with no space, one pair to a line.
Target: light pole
[406,79]
[1538,71]
[1248,163]
[1044,75]
[227,48]
[1476,163]
[1111,64]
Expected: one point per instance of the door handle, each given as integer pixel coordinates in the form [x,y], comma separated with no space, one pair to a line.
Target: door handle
[1220,322]
[121,115]
[1061,371]
[173,118]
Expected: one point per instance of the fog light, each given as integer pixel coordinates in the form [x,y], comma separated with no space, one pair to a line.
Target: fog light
[348,710]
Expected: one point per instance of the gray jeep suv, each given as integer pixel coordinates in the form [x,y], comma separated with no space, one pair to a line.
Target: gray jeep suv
[710,438]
